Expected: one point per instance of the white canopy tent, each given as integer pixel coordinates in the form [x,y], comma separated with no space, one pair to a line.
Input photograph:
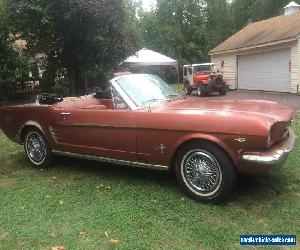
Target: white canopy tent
[147,57]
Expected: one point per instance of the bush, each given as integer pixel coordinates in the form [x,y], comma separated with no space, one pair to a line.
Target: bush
[62,87]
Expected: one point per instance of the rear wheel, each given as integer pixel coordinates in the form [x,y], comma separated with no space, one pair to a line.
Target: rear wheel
[37,149]
[205,172]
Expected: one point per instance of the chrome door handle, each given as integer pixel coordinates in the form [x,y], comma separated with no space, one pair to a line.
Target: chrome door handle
[65,114]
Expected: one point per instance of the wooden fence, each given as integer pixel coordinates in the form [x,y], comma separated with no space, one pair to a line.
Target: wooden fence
[20,90]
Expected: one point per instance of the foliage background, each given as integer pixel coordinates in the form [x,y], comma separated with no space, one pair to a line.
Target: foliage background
[83,41]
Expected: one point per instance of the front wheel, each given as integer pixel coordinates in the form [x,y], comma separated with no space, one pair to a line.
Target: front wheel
[187,91]
[222,92]
[200,91]
[37,149]
[205,172]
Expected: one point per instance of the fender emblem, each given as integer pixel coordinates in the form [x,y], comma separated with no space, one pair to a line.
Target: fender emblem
[241,139]
[161,148]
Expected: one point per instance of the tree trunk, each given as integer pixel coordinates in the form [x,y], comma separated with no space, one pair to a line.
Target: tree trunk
[77,82]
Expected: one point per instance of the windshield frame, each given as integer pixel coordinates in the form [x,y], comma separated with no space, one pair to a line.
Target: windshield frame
[212,69]
[129,101]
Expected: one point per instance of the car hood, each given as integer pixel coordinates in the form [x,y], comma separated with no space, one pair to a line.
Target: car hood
[266,110]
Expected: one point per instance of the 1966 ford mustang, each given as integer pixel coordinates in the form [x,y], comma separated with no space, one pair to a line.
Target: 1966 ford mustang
[139,121]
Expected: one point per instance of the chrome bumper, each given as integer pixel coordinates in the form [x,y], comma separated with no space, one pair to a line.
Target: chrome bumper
[275,156]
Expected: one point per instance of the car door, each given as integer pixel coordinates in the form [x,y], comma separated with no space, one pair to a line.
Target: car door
[106,133]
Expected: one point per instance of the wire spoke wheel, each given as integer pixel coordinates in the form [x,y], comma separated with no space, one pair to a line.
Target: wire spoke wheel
[37,149]
[205,171]
[202,171]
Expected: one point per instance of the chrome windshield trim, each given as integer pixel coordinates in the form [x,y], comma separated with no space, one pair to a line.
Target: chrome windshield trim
[113,161]
[122,93]
[131,104]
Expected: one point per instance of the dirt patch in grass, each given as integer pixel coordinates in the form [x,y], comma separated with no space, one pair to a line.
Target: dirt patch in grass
[3,235]
[24,172]
[7,183]
[7,164]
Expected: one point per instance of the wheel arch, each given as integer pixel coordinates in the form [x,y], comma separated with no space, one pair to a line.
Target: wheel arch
[27,126]
[203,138]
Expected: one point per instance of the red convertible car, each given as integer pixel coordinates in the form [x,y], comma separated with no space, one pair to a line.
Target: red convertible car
[139,121]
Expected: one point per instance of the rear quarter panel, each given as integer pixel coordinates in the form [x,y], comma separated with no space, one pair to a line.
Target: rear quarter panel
[14,118]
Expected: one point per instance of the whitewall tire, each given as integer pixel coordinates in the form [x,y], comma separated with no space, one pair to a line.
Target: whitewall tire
[205,171]
[37,149]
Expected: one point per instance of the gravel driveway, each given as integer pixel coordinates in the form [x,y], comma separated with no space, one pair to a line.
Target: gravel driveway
[291,100]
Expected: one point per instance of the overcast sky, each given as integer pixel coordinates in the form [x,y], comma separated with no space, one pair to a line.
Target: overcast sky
[147,4]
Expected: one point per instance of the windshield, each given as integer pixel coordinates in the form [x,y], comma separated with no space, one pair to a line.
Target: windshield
[203,69]
[146,89]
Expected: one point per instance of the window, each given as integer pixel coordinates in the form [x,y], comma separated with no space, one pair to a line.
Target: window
[118,100]
[184,71]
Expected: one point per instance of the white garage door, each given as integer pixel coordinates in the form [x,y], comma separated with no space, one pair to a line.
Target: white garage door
[265,71]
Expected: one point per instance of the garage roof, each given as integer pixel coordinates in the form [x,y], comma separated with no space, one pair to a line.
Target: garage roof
[266,31]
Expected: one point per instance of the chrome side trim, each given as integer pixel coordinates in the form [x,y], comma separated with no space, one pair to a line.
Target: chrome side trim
[55,134]
[275,156]
[113,161]
[97,126]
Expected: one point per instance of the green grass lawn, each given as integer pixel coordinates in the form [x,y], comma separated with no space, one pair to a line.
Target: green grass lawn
[177,87]
[87,205]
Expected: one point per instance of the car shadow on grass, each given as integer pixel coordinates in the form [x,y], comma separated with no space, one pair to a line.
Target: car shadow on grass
[108,170]
[259,188]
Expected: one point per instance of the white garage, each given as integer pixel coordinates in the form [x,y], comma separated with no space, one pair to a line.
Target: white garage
[268,71]
[263,55]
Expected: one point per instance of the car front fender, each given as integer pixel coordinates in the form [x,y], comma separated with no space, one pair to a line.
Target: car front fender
[204,137]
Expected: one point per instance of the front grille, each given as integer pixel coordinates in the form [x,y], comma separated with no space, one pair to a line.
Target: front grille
[217,81]
[285,134]
[280,131]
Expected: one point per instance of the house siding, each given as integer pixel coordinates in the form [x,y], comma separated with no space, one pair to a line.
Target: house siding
[295,68]
[229,68]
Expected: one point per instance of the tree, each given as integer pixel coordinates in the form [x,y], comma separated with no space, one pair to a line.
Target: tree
[176,28]
[132,26]
[247,11]
[75,35]
[218,25]
[14,64]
